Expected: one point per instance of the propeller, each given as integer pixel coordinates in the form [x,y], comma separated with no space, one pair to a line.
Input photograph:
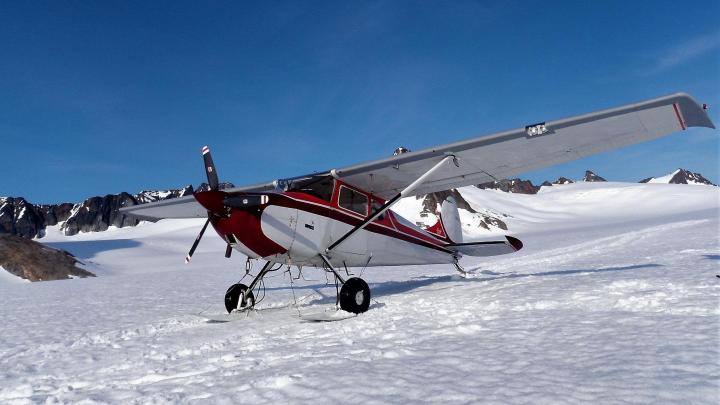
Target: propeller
[214,184]
[220,203]
[210,169]
[197,241]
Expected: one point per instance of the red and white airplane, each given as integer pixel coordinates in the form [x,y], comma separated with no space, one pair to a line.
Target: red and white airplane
[340,218]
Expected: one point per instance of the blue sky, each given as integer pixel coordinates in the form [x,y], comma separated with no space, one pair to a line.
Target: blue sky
[103,97]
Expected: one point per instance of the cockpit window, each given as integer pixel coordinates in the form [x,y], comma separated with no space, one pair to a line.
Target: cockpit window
[353,201]
[318,186]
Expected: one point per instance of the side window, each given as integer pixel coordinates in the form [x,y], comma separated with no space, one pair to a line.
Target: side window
[353,201]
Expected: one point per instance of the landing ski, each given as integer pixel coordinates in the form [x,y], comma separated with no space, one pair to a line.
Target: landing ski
[328,314]
[242,314]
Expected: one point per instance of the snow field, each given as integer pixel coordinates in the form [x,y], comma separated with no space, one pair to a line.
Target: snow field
[614,299]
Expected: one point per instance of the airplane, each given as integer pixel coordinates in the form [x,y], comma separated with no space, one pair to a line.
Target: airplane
[341,218]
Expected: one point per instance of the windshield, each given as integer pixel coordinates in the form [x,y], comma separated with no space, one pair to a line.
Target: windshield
[317,186]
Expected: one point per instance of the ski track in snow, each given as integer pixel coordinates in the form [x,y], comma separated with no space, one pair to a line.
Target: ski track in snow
[604,312]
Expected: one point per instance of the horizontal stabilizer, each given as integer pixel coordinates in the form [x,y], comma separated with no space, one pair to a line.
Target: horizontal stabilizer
[488,248]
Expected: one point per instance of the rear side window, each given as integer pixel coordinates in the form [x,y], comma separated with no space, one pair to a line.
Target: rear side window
[353,201]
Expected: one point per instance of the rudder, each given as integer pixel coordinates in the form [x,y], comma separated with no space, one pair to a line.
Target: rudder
[450,218]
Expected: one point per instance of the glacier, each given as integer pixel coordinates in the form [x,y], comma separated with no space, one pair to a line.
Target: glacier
[614,299]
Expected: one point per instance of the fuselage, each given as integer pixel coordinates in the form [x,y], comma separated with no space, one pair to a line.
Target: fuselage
[296,226]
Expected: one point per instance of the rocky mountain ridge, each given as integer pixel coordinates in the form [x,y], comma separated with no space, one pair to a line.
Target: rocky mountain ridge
[527,187]
[680,176]
[22,218]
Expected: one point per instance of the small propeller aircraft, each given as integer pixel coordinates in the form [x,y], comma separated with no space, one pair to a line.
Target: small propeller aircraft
[341,218]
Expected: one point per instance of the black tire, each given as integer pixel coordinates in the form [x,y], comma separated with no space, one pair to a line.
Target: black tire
[355,296]
[233,294]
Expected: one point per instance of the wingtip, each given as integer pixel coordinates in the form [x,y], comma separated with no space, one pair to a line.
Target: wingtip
[514,242]
[694,112]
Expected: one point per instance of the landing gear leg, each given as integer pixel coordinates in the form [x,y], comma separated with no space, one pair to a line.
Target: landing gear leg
[354,295]
[460,270]
[240,296]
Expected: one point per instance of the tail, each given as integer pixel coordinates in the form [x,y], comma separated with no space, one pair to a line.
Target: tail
[449,228]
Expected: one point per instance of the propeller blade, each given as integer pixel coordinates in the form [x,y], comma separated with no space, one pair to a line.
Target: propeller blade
[228,251]
[197,241]
[210,169]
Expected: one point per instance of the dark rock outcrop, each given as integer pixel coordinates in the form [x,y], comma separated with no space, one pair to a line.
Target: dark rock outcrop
[36,262]
[222,186]
[152,195]
[592,177]
[432,201]
[98,213]
[54,214]
[511,186]
[563,180]
[19,217]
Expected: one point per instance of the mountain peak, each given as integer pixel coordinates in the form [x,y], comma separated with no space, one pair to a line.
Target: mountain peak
[592,177]
[563,180]
[511,186]
[680,176]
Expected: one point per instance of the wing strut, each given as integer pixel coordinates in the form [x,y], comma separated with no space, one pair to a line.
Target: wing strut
[404,193]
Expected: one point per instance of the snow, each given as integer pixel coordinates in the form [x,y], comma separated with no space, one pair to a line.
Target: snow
[7,277]
[664,179]
[614,299]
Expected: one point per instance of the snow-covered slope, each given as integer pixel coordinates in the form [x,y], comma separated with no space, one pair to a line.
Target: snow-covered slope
[613,299]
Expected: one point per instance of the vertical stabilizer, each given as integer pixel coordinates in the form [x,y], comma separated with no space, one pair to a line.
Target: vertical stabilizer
[451,220]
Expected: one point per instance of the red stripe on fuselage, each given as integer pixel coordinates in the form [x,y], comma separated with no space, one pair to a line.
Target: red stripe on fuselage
[302,201]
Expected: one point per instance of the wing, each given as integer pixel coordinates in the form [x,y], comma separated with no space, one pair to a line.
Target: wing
[508,154]
[492,157]
[181,207]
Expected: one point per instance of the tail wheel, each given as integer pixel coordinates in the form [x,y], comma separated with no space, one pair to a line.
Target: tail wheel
[355,296]
[238,293]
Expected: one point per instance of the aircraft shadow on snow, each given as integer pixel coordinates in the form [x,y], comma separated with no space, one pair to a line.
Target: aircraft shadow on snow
[90,248]
[398,287]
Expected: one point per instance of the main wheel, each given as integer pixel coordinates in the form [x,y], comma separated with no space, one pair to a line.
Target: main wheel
[355,296]
[238,292]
